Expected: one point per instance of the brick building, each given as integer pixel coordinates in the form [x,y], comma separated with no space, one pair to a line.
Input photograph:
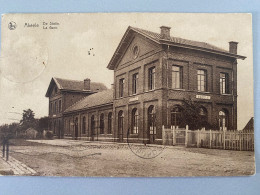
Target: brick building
[153,74]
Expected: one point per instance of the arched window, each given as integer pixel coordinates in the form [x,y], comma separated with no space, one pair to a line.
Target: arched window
[109,125]
[84,125]
[55,107]
[120,125]
[176,116]
[134,121]
[151,122]
[92,125]
[102,124]
[223,120]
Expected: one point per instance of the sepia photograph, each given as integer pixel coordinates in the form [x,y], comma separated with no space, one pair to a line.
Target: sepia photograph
[127,95]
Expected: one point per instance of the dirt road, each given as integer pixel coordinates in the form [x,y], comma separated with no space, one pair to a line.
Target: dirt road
[79,158]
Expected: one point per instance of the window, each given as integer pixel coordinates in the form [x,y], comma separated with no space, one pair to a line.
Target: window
[101,124]
[134,121]
[109,129]
[55,107]
[59,105]
[50,109]
[121,87]
[176,117]
[202,80]
[84,125]
[134,84]
[176,77]
[223,83]
[151,77]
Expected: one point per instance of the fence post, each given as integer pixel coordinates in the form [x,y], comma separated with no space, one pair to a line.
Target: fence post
[210,139]
[186,135]
[240,146]
[163,135]
[247,141]
[198,138]
[224,139]
[173,136]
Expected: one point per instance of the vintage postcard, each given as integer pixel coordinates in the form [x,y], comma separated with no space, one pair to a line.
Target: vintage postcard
[127,95]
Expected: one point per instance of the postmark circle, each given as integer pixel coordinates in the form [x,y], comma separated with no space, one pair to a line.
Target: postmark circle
[145,151]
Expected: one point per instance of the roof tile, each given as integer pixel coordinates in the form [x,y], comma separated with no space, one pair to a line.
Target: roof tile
[96,99]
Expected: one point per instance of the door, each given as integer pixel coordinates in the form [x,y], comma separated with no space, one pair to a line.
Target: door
[223,120]
[76,128]
[92,128]
[120,126]
[151,124]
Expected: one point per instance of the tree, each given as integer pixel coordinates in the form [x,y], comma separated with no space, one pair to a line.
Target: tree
[28,120]
[191,115]
[43,123]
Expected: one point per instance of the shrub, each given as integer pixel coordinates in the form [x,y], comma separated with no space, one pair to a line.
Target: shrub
[49,135]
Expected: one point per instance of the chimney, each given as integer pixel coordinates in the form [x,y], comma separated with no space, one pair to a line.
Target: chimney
[165,32]
[233,47]
[87,84]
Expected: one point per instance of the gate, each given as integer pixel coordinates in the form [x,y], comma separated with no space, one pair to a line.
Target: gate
[180,135]
[174,136]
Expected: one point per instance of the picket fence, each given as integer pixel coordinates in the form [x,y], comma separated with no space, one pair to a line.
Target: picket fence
[227,140]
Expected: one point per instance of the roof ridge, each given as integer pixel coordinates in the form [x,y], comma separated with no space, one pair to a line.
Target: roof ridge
[183,39]
[68,79]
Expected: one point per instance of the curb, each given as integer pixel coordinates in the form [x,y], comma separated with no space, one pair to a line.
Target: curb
[6,172]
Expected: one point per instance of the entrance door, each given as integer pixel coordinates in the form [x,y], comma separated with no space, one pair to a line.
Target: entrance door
[92,128]
[223,120]
[76,128]
[59,130]
[151,124]
[120,126]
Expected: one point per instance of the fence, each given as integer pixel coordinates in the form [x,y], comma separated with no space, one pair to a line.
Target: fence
[227,140]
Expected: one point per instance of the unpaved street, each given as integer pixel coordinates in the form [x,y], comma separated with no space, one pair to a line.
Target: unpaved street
[81,158]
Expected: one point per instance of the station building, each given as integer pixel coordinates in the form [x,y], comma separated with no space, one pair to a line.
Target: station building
[153,74]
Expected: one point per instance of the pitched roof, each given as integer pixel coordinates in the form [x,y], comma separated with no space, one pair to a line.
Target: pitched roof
[75,85]
[78,85]
[158,37]
[176,41]
[96,99]
[250,125]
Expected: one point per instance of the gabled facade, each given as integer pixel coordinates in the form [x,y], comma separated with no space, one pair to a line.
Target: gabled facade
[63,93]
[153,74]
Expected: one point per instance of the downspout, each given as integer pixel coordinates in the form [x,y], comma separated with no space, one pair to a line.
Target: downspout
[233,96]
[167,85]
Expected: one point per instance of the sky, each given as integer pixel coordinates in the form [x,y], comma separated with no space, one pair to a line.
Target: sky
[31,56]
